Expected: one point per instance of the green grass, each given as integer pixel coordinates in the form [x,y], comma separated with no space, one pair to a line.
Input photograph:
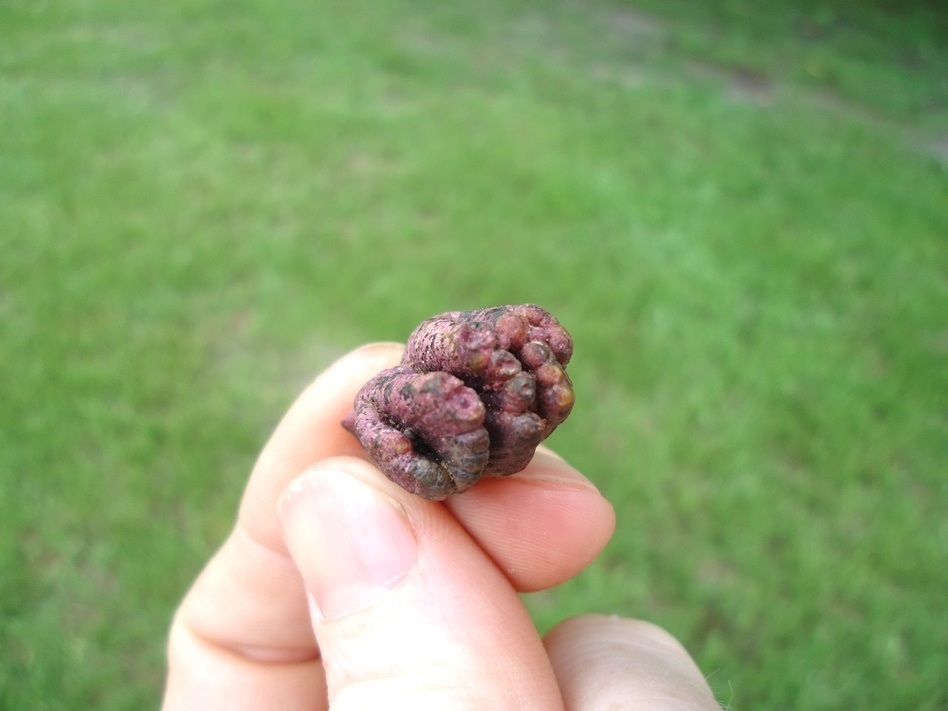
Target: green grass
[203,203]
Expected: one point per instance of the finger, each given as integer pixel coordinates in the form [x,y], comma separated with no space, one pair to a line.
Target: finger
[606,662]
[310,431]
[409,612]
[540,526]
[241,638]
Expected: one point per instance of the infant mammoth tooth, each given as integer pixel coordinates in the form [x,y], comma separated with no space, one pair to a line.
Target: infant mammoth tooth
[475,394]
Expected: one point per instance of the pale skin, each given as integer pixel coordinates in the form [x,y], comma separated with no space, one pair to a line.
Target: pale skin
[338,589]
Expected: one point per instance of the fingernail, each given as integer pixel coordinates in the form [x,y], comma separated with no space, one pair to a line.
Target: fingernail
[549,468]
[351,542]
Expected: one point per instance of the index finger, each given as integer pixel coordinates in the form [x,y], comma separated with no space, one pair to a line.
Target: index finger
[242,637]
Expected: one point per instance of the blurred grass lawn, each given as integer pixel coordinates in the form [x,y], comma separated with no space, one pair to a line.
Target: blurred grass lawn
[740,213]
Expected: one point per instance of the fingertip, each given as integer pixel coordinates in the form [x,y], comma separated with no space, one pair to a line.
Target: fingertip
[310,431]
[367,359]
[541,526]
[379,349]
[549,468]
[607,661]
[597,627]
[543,449]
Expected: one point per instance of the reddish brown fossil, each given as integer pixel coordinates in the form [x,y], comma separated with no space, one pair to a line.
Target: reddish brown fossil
[475,393]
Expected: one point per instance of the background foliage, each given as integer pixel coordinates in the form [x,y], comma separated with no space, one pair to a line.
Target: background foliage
[739,209]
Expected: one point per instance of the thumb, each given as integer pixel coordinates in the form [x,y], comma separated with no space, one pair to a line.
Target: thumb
[408,611]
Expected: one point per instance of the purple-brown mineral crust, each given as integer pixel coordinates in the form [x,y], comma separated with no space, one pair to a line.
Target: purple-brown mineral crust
[475,393]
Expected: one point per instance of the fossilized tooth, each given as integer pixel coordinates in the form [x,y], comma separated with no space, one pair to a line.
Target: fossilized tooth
[475,393]
[425,431]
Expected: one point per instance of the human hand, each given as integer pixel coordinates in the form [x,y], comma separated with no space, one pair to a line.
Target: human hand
[336,587]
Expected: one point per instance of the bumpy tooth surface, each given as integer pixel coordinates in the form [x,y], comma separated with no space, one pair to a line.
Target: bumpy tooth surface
[475,394]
